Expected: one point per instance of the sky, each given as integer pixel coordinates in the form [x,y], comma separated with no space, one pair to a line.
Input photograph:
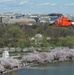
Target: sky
[37,6]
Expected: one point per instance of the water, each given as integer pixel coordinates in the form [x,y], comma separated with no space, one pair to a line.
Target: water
[64,68]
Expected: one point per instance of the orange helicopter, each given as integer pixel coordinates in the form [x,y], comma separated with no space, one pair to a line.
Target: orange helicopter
[60,21]
[63,22]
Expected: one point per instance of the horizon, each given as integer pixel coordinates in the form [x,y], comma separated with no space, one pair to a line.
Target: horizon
[35,6]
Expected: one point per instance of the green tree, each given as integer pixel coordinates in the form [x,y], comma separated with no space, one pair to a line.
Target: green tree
[68,42]
[24,42]
[12,36]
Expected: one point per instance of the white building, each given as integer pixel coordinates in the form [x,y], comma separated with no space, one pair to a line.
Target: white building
[21,20]
[44,19]
[5,54]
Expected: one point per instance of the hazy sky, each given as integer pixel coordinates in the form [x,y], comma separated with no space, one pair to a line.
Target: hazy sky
[37,6]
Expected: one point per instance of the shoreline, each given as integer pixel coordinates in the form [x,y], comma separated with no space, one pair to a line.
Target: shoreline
[35,59]
[34,66]
[15,69]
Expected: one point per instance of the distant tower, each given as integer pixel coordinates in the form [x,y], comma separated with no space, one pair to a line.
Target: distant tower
[5,54]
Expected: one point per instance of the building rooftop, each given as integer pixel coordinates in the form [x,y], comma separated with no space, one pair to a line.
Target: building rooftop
[14,20]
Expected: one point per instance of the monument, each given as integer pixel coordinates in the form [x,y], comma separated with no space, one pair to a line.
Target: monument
[5,54]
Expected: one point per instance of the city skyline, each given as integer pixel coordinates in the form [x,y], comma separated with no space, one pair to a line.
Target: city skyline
[36,6]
